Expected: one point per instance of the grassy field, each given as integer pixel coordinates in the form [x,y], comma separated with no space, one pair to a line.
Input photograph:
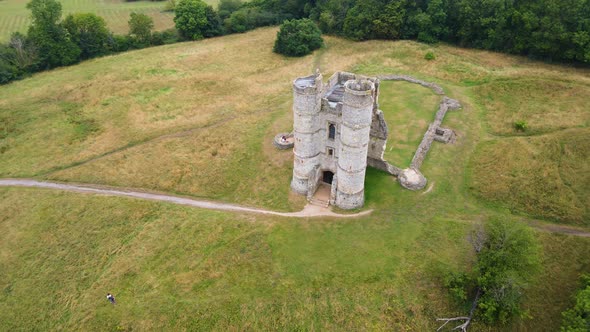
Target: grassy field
[14,15]
[408,109]
[196,119]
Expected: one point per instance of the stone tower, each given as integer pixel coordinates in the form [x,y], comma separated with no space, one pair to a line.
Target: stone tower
[336,127]
[307,104]
[354,142]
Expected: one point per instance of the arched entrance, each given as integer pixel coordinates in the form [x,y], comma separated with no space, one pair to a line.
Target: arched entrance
[327,177]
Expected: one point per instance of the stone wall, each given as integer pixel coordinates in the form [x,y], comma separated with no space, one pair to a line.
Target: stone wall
[384,166]
[378,135]
[445,105]
[433,86]
[313,181]
[411,178]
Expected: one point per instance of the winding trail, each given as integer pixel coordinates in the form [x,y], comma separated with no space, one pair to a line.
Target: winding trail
[307,212]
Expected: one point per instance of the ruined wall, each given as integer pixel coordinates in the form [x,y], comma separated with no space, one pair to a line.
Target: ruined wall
[378,135]
[313,181]
[384,166]
[445,105]
[433,86]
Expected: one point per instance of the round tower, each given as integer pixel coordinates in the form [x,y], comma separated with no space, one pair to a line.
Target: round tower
[307,104]
[354,143]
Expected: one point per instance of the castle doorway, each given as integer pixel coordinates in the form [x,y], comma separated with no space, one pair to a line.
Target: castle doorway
[328,177]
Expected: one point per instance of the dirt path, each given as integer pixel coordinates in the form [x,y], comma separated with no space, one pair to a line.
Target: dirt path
[308,211]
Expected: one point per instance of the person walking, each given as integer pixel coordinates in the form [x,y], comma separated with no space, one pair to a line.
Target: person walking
[111,298]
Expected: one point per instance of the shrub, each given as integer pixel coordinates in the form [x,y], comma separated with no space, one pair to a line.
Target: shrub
[249,18]
[298,38]
[520,125]
[8,69]
[577,319]
[140,29]
[51,39]
[195,20]
[165,37]
[227,7]
[119,43]
[429,56]
[89,32]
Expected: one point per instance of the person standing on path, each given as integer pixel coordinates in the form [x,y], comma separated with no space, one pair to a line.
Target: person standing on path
[111,298]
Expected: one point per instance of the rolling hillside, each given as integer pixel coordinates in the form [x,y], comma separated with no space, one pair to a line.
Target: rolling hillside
[198,119]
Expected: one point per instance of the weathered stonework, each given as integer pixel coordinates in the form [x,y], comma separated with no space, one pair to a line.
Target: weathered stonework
[412,179]
[432,133]
[336,127]
[338,130]
[283,141]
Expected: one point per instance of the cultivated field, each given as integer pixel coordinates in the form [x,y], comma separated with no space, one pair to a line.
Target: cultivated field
[198,118]
[14,16]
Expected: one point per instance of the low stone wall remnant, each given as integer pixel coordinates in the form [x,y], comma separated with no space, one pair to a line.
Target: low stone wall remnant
[433,86]
[411,178]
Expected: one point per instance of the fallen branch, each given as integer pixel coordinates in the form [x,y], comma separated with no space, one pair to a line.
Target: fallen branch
[463,326]
[467,319]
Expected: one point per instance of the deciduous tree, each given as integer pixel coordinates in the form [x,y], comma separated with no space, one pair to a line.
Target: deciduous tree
[50,38]
[89,32]
[507,257]
[195,20]
[298,38]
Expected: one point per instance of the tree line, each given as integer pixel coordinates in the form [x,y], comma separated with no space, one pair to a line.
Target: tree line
[543,29]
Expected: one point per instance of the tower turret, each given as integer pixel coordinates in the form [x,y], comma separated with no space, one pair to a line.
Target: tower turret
[306,129]
[354,141]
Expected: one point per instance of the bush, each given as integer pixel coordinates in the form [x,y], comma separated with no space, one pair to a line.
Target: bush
[249,18]
[9,71]
[227,7]
[298,38]
[195,20]
[89,32]
[520,125]
[506,262]
[51,39]
[140,29]
[119,43]
[577,319]
[165,37]
[429,56]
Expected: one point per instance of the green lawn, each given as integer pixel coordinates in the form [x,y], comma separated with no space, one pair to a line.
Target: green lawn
[192,118]
[408,109]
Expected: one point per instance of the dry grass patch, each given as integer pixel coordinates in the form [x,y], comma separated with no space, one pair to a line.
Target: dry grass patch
[181,88]
[545,105]
[546,176]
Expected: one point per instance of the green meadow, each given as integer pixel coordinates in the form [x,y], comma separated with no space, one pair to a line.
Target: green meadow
[14,15]
[198,119]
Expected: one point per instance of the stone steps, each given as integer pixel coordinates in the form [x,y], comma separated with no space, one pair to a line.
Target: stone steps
[318,202]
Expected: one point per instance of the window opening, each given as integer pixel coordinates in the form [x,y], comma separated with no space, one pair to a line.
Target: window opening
[331,131]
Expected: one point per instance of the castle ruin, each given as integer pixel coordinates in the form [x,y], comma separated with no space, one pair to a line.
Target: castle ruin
[339,130]
[337,126]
